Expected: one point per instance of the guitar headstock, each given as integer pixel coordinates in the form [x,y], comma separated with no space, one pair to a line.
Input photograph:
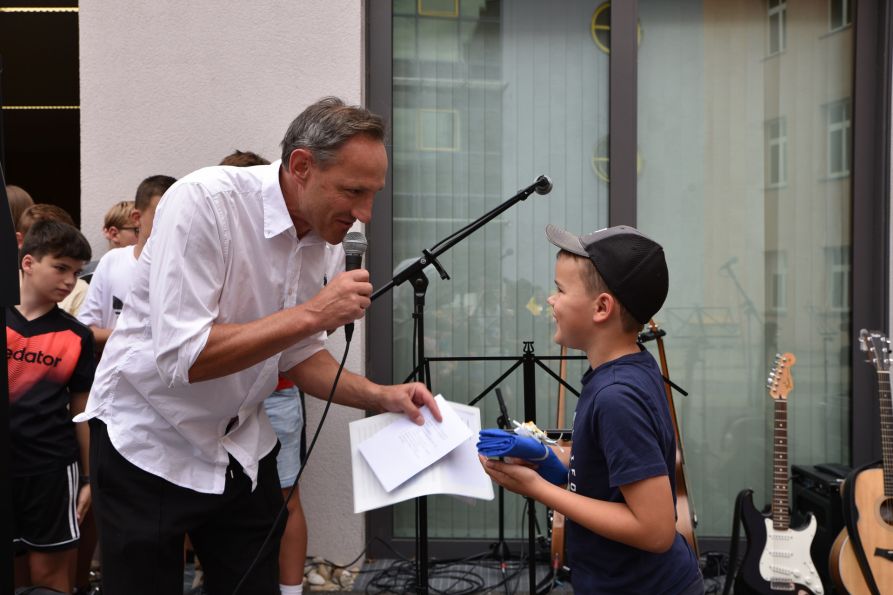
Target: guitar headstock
[877,347]
[780,381]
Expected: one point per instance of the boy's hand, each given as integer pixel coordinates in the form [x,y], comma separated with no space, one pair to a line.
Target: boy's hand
[519,478]
[85,498]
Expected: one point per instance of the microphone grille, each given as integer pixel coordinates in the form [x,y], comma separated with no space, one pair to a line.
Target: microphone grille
[354,243]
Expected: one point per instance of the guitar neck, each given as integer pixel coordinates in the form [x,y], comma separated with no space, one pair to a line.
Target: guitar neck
[883,378]
[781,518]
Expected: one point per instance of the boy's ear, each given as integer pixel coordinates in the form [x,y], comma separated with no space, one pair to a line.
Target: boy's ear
[27,263]
[603,307]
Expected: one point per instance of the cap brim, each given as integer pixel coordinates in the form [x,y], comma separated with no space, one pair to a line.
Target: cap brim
[565,240]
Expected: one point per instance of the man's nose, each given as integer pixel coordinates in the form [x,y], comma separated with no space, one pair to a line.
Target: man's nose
[363,211]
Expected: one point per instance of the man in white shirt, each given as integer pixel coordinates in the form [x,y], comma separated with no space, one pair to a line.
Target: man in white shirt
[180,442]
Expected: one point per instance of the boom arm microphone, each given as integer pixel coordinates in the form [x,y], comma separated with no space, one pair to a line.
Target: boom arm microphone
[354,245]
[543,185]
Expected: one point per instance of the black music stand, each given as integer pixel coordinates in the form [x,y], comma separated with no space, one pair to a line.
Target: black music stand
[528,360]
[415,273]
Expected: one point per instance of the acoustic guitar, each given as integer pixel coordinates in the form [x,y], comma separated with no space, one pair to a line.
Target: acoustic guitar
[873,495]
[557,547]
[777,558]
[686,517]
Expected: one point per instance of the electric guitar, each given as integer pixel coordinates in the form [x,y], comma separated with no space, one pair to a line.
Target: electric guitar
[777,558]
[873,495]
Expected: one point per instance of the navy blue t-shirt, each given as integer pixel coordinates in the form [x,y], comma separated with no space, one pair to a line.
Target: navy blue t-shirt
[622,434]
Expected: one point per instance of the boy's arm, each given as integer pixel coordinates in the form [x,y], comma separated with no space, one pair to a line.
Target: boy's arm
[100,335]
[647,520]
[78,405]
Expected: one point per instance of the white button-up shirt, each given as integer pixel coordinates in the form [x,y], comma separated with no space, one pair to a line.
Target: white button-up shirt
[223,250]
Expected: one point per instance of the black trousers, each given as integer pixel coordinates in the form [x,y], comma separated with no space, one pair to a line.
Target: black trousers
[143,519]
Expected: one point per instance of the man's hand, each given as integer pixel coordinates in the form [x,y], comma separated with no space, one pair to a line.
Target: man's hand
[407,398]
[344,299]
[519,478]
[85,498]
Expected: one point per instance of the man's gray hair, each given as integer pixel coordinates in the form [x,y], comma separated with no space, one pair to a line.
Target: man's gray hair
[325,126]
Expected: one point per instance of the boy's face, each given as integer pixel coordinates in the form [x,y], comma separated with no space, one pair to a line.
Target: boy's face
[146,218]
[51,277]
[122,236]
[573,307]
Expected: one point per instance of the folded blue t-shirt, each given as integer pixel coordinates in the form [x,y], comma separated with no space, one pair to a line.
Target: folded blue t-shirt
[494,442]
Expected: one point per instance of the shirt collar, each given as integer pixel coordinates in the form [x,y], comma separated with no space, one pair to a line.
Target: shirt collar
[276,217]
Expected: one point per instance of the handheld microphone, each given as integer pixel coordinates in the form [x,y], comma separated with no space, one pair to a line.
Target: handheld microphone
[543,185]
[354,245]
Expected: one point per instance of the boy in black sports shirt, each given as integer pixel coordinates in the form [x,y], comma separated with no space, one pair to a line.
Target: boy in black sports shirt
[620,502]
[49,357]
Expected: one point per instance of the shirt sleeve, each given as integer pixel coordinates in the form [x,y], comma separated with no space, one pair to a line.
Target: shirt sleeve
[628,436]
[91,310]
[82,378]
[187,260]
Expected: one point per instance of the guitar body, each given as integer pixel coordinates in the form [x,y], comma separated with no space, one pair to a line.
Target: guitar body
[776,561]
[876,535]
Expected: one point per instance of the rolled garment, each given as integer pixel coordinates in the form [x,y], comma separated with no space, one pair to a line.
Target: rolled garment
[494,442]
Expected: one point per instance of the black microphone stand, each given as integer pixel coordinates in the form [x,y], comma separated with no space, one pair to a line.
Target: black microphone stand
[415,273]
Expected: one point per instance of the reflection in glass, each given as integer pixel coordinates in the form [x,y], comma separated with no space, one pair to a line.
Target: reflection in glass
[484,100]
[747,187]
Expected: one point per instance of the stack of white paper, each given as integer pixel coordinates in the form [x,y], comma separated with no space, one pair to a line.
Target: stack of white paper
[394,460]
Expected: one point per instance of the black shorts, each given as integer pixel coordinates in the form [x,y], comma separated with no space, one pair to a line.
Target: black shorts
[44,516]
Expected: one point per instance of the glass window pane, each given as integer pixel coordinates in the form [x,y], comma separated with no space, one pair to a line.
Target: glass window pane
[480,109]
[749,275]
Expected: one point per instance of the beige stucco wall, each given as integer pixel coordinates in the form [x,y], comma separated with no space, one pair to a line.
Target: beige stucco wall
[169,87]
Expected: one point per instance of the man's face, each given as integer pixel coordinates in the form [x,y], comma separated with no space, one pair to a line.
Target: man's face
[52,277]
[573,307]
[333,197]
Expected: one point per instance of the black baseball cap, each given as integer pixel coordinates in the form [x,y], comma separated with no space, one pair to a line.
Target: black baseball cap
[632,265]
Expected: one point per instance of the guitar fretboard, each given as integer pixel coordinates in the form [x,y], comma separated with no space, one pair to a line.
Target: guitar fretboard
[781,518]
[883,380]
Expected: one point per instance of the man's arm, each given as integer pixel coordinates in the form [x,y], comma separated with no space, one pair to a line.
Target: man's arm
[316,374]
[231,348]
[646,520]
[78,405]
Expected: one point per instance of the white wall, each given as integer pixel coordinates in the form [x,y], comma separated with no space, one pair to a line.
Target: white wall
[168,87]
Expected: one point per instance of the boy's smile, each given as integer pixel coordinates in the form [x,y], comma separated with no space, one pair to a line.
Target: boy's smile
[573,307]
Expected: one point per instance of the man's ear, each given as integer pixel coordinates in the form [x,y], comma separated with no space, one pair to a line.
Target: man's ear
[19,239]
[299,163]
[135,217]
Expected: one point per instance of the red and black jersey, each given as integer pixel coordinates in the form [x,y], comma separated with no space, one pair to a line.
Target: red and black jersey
[48,358]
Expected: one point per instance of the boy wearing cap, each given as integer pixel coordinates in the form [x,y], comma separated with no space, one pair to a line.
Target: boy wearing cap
[620,502]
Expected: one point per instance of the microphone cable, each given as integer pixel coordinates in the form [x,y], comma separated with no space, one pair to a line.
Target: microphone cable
[283,511]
